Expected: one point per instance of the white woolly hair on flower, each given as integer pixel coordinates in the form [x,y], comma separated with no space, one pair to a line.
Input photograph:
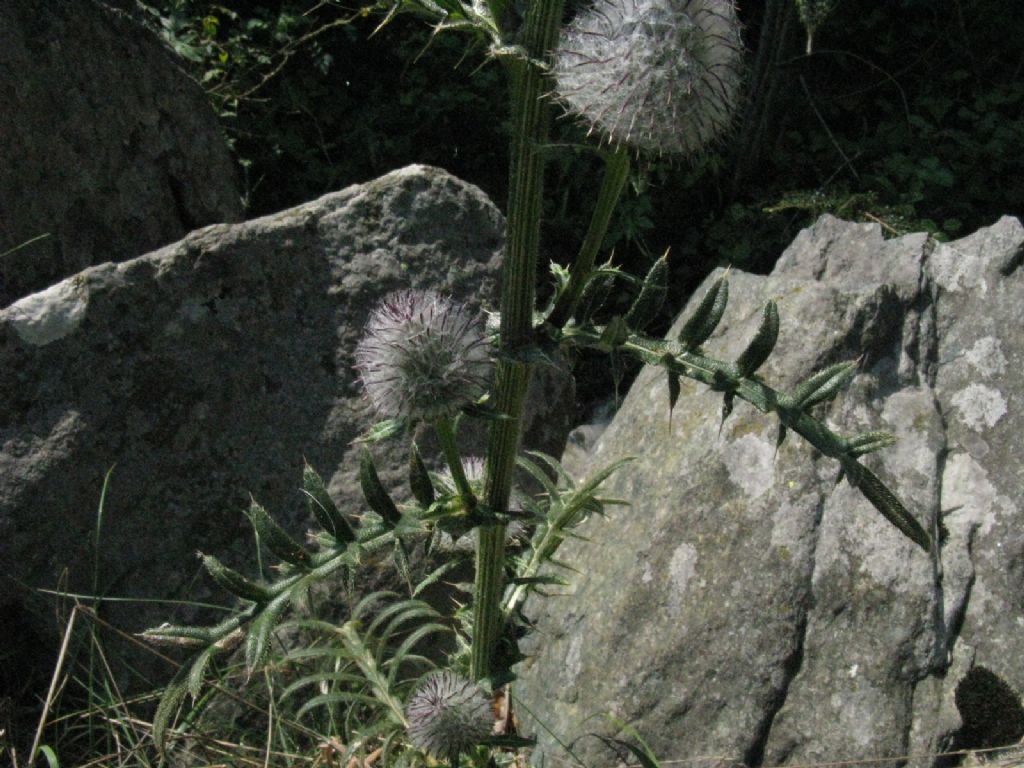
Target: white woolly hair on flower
[448,715]
[423,356]
[656,75]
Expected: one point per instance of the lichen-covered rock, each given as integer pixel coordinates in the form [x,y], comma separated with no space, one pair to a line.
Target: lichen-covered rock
[208,370]
[110,149]
[745,606]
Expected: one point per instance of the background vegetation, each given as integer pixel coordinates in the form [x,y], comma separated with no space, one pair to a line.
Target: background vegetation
[909,113]
[913,109]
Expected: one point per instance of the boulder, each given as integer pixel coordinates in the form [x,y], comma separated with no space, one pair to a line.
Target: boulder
[748,608]
[110,150]
[207,371]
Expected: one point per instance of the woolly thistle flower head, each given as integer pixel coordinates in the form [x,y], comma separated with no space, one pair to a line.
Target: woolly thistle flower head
[448,715]
[658,75]
[422,357]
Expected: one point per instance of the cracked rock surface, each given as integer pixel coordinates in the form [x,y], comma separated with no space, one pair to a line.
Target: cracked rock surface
[745,608]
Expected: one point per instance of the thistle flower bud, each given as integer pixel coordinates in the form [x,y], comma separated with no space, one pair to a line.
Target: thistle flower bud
[658,75]
[422,357]
[448,715]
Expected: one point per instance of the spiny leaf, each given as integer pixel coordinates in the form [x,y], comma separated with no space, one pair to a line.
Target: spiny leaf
[374,492]
[170,700]
[168,634]
[561,275]
[382,430]
[589,486]
[556,466]
[323,507]
[781,437]
[762,344]
[403,654]
[674,389]
[727,405]
[401,560]
[419,478]
[885,501]
[390,619]
[705,319]
[434,576]
[274,536]
[823,385]
[868,442]
[339,697]
[539,475]
[651,297]
[257,641]
[233,581]
[347,679]
[595,294]
[197,670]
[614,334]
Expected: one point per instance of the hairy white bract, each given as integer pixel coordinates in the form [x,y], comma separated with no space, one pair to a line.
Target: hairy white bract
[657,75]
[422,357]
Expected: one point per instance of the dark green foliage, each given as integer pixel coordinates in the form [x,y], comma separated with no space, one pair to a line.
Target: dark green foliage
[374,492]
[595,294]
[274,536]
[674,390]
[419,478]
[234,582]
[652,294]
[869,442]
[885,501]
[311,101]
[823,385]
[762,344]
[707,316]
[323,507]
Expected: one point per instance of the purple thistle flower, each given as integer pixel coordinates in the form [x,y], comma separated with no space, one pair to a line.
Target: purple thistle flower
[658,75]
[422,357]
[448,715]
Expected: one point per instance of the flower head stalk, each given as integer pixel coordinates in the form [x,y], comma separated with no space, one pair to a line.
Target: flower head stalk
[423,357]
[657,75]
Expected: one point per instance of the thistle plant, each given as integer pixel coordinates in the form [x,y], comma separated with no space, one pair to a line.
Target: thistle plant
[644,76]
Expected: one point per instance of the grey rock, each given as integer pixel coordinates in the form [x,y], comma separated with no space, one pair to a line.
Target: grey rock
[110,150]
[747,608]
[208,370]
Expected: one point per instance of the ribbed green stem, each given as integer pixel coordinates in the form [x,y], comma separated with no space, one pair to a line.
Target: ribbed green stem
[530,121]
[616,173]
[450,448]
[513,379]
